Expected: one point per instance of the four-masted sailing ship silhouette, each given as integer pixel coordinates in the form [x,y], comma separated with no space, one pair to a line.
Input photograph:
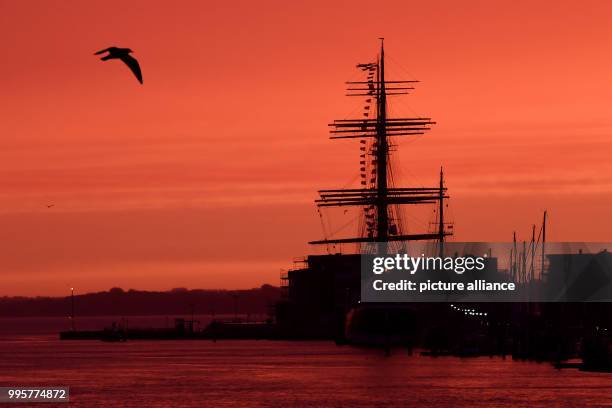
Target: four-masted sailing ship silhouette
[377,196]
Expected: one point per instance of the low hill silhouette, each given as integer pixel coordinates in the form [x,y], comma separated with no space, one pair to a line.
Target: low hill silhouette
[117,301]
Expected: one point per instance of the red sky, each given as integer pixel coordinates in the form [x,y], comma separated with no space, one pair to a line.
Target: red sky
[204,177]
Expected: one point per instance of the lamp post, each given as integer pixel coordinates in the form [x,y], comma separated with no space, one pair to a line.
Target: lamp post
[72,308]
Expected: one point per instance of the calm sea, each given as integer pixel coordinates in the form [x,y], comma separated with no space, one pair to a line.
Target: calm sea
[274,373]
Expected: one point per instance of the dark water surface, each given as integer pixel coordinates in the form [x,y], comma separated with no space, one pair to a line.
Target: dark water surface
[273,373]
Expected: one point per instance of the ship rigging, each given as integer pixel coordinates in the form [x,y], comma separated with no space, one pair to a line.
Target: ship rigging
[378,198]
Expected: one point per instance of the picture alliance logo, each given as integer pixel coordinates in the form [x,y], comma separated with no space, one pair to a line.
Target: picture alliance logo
[405,262]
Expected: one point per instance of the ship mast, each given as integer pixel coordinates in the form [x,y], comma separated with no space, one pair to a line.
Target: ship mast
[377,196]
[382,152]
[441,230]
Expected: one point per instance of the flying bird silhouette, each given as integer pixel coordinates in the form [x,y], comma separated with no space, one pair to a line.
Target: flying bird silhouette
[124,55]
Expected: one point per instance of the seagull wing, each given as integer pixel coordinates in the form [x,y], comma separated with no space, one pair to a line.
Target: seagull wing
[103,51]
[133,65]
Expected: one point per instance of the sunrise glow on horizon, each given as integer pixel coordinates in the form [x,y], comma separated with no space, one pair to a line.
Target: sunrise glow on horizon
[205,176]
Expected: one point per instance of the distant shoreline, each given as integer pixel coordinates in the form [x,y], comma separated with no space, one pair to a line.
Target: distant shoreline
[118,302]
